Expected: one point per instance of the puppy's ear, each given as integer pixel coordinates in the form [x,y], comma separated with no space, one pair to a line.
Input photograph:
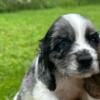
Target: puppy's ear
[46,72]
[92,86]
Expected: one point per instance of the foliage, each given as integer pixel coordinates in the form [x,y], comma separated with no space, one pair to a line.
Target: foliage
[13,5]
[20,33]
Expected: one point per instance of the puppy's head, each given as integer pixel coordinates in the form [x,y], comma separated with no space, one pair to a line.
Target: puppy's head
[69,47]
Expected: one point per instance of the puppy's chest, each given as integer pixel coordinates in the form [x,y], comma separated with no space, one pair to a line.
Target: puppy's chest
[69,89]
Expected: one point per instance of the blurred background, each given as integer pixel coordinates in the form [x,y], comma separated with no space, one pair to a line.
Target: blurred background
[23,23]
[13,5]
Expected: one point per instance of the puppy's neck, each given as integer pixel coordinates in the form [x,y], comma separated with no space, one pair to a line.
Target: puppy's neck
[69,88]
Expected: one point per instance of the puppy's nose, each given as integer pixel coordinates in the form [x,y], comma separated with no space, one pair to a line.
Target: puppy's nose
[84,60]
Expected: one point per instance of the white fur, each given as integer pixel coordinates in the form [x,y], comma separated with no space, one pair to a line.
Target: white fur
[41,92]
[15,98]
[78,23]
[36,66]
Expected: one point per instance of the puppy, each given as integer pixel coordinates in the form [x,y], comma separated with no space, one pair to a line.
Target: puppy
[67,55]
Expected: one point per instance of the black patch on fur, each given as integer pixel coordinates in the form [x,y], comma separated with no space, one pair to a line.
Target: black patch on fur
[93,38]
[62,38]
[61,47]
[46,73]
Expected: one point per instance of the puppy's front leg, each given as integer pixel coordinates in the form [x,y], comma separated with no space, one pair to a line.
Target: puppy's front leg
[41,92]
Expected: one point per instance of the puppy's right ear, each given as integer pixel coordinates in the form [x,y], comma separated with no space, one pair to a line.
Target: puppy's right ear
[92,86]
[46,73]
[46,69]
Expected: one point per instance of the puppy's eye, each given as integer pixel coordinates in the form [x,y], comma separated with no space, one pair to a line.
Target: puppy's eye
[94,39]
[64,44]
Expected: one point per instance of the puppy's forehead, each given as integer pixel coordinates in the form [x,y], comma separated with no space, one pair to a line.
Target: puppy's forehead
[63,28]
[79,23]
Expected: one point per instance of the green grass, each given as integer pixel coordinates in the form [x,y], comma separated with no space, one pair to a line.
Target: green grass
[20,33]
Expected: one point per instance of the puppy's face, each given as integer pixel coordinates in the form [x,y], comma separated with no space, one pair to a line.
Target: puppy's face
[72,46]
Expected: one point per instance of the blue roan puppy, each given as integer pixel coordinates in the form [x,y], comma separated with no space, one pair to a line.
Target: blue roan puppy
[67,55]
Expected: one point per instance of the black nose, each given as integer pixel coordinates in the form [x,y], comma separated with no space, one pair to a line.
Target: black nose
[84,60]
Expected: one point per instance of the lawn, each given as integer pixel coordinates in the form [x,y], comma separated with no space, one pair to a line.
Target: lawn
[20,33]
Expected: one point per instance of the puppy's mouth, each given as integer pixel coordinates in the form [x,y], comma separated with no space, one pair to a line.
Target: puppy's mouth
[86,73]
[89,70]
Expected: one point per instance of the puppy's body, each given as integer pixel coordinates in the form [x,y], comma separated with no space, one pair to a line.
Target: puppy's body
[68,55]
[67,89]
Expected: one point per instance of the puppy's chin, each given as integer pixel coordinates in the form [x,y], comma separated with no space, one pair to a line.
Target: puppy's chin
[85,75]
[80,76]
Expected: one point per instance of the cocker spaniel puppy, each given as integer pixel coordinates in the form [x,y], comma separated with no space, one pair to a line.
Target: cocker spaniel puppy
[68,55]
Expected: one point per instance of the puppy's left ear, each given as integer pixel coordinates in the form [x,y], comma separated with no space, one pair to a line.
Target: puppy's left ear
[92,86]
[46,72]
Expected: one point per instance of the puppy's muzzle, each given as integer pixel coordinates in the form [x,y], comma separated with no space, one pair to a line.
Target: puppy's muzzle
[84,60]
